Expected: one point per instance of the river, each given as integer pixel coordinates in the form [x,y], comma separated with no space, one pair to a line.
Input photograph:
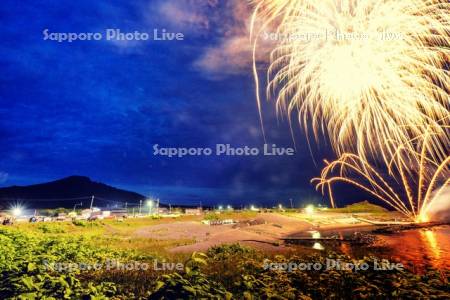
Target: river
[416,249]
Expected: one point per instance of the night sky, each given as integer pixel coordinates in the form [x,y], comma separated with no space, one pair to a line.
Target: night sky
[96,108]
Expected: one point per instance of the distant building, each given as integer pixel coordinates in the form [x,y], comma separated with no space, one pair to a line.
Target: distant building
[162,210]
[118,213]
[86,213]
[193,211]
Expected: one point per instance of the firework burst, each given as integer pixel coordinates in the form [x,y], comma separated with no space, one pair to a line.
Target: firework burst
[413,180]
[370,74]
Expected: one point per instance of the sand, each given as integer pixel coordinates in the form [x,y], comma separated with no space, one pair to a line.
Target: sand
[265,236]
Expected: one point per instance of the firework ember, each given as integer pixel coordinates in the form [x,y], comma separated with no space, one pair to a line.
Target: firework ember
[370,74]
[412,185]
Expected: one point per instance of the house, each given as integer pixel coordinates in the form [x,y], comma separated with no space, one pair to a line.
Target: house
[193,211]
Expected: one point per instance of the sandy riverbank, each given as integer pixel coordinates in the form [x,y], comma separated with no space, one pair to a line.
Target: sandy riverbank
[265,236]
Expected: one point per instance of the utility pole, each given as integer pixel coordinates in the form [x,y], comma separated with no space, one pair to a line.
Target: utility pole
[78,204]
[150,207]
[292,205]
[140,207]
[92,202]
[126,207]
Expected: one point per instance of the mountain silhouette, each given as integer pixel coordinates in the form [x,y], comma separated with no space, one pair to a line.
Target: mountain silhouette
[67,192]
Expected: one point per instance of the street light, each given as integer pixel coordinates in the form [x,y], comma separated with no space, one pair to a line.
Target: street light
[17,211]
[150,206]
[309,209]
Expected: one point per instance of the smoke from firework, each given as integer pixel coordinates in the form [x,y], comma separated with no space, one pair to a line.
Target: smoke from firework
[439,209]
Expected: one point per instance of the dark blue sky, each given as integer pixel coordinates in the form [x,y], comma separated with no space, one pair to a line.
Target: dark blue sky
[96,108]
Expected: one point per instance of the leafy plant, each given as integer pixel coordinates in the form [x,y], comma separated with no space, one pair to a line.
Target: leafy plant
[29,270]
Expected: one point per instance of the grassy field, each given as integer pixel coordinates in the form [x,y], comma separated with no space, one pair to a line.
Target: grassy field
[360,207]
[121,235]
[109,233]
[31,256]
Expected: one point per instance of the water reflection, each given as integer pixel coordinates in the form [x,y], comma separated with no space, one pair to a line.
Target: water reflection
[416,249]
[318,246]
[429,237]
[345,247]
[421,248]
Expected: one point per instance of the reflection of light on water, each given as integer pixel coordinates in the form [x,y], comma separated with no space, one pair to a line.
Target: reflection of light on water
[431,243]
[420,248]
[344,247]
[316,235]
[318,246]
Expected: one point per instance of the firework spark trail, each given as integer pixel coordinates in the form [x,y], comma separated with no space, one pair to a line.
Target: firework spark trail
[430,177]
[368,92]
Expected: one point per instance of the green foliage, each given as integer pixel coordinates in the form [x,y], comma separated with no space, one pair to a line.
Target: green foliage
[360,207]
[242,272]
[193,284]
[50,228]
[61,210]
[211,217]
[224,252]
[28,271]
[79,223]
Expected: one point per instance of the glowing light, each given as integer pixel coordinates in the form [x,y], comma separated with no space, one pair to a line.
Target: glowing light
[364,72]
[280,206]
[432,243]
[17,211]
[253,208]
[229,207]
[423,218]
[220,207]
[150,205]
[309,209]
[316,235]
[318,246]
[410,186]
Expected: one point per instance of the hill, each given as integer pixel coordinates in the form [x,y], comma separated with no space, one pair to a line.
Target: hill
[361,207]
[67,192]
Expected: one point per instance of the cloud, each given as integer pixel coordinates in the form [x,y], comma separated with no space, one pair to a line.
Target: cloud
[233,54]
[227,24]
[3,177]
[192,15]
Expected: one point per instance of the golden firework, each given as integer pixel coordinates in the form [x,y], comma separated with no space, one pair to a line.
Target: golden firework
[412,181]
[370,74]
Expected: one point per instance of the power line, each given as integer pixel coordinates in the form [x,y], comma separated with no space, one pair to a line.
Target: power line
[67,199]
[44,199]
